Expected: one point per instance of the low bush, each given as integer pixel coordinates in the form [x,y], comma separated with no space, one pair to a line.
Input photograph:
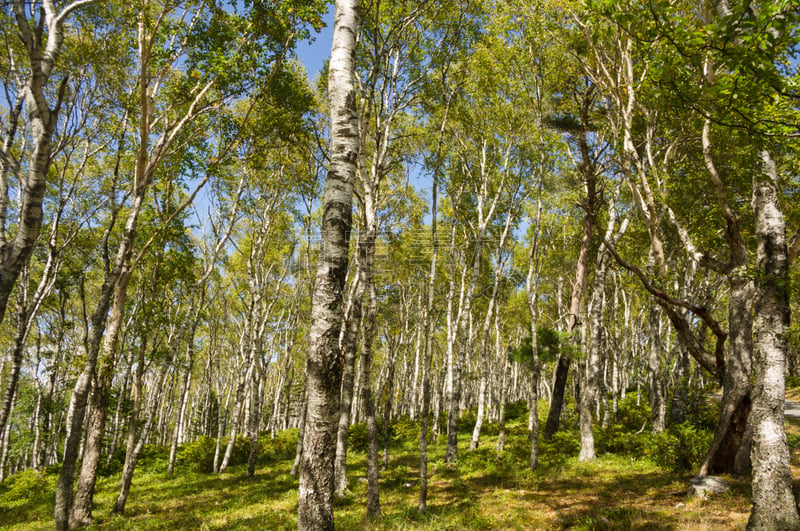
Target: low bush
[614,439]
[680,447]
[152,457]
[283,446]
[357,438]
[517,411]
[406,430]
[25,486]
[198,456]
[632,416]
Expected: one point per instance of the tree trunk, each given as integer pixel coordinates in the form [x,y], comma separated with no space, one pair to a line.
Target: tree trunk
[774,505]
[134,450]
[387,410]
[323,365]
[95,432]
[593,363]
[349,346]
[654,383]
[483,357]
[427,326]
[298,454]
[186,384]
[587,171]
[15,253]
[730,449]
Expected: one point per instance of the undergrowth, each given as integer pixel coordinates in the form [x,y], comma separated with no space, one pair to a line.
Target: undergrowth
[638,481]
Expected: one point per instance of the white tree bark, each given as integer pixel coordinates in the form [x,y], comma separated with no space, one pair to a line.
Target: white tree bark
[323,366]
[774,506]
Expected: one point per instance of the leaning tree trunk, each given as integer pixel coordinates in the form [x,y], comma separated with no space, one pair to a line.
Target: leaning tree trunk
[134,450]
[84,494]
[298,454]
[774,506]
[42,56]
[323,366]
[730,449]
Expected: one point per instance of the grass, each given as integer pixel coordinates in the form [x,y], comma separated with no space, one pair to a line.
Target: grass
[483,490]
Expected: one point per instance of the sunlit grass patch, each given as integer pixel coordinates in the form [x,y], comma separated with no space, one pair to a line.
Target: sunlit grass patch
[484,489]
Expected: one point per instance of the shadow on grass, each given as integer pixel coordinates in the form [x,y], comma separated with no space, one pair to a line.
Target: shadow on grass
[14,514]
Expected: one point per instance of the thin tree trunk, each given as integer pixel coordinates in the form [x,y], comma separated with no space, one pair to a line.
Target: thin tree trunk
[185,388]
[298,454]
[427,325]
[387,410]
[352,325]
[134,450]
[95,432]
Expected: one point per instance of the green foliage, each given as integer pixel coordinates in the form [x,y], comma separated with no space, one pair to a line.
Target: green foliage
[405,430]
[517,411]
[488,461]
[702,411]
[615,439]
[25,485]
[630,416]
[153,457]
[283,446]
[523,352]
[792,381]
[466,422]
[113,465]
[553,454]
[550,345]
[680,447]
[357,438]
[198,456]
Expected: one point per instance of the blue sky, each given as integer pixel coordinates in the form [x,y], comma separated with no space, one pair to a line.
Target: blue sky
[315,51]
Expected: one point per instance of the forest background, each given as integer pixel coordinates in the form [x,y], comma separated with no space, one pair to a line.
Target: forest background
[565,207]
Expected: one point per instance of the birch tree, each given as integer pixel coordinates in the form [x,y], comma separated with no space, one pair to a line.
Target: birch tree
[323,366]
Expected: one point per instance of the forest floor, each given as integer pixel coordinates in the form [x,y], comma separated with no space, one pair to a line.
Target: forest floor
[484,490]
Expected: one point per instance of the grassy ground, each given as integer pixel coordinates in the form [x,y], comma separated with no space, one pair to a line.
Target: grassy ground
[484,490]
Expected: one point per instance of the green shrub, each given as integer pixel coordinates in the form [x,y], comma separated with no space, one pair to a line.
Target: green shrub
[406,430]
[466,422]
[614,439]
[633,417]
[25,486]
[198,456]
[488,460]
[152,457]
[680,447]
[517,411]
[113,465]
[565,442]
[357,439]
[283,446]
